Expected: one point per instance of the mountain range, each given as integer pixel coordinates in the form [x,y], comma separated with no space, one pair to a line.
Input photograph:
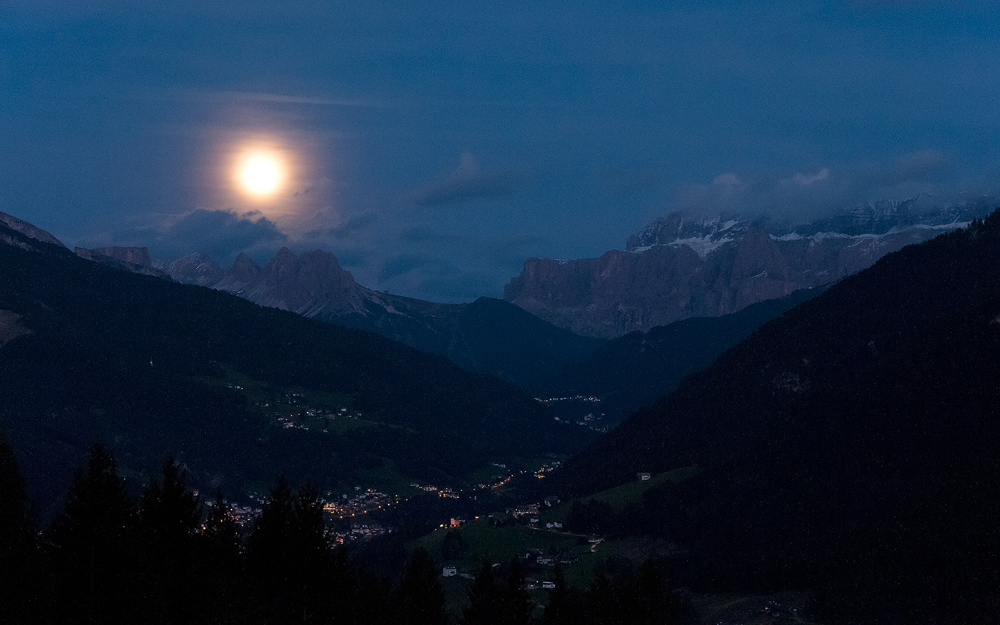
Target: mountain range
[485,336]
[584,377]
[737,262]
[674,269]
[843,443]
[679,267]
[239,392]
[634,370]
[848,447]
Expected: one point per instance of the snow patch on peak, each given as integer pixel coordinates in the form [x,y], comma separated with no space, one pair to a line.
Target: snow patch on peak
[703,246]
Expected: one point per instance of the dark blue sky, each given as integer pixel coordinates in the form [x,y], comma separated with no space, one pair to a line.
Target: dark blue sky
[433,146]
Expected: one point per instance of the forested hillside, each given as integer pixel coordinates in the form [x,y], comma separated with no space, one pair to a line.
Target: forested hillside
[238,391]
[849,446]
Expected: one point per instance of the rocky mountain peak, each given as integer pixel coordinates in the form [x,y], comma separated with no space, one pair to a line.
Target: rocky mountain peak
[138,256]
[318,267]
[134,259]
[197,268]
[244,266]
[29,230]
[660,232]
[238,278]
[702,234]
[308,284]
[683,266]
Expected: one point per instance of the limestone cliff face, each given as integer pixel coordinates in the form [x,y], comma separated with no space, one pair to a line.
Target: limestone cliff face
[134,259]
[678,268]
[485,336]
[638,290]
[309,284]
[29,230]
[242,275]
[195,268]
[131,255]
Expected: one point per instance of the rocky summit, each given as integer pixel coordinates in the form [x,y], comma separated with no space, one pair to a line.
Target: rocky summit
[680,267]
[486,336]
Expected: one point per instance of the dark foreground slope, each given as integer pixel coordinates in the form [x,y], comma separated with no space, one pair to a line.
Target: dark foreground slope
[487,336]
[152,367]
[851,446]
[635,370]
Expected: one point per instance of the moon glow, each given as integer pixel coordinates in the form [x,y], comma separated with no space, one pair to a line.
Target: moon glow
[260,173]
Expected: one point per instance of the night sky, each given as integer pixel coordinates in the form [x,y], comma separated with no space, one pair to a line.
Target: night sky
[433,146]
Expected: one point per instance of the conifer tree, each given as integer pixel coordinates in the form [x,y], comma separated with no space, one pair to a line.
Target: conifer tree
[169,517]
[516,605]
[422,600]
[289,559]
[496,602]
[93,547]
[311,546]
[652,599]
[604,604]
[453,546]
[270,559]
[564,606]
[484,599]
[19,576]
[368,598]
[220,566]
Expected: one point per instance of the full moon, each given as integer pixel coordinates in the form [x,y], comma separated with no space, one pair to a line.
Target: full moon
[260,173]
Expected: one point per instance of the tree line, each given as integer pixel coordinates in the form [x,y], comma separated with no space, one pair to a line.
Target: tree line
[620,595]
[167,557]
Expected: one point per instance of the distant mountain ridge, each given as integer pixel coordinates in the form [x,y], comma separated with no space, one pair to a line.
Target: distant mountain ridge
[678,267]
[134,259]
[239,392]
[30,231]
[638,368]
[486,336]
[848,447]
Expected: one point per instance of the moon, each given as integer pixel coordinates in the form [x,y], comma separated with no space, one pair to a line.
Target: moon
[260,173]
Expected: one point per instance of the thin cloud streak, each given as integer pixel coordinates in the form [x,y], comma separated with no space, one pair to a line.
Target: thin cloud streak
[466,183]
[236,97]
[809,194]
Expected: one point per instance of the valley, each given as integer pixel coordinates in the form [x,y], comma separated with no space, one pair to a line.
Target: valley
[796,461]
[492,313]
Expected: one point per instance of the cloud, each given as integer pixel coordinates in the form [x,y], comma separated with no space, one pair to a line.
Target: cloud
[630,182]
[437,278]
[728,181]
[402,265]
[813,193]
[466,183]
[805,180]
[342,227]
[893,4]
[220,234]
[919,165]
[521,242]
[244,97]
[725,194]
[418,234]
